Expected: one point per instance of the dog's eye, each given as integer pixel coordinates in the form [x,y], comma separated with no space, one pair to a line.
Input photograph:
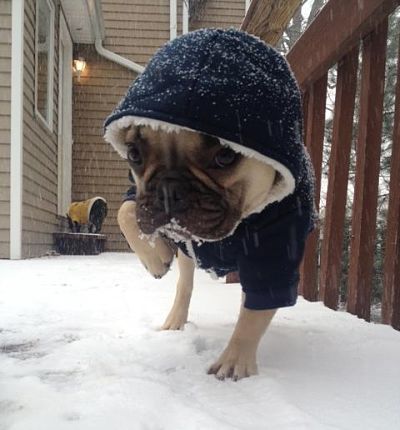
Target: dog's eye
[134,155]
[225,157]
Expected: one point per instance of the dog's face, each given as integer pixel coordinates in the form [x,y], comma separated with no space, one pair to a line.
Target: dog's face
[189,185]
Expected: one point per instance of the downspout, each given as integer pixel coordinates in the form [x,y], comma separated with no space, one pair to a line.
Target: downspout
[16,132]
[185,16]
[173,25]
[172,19]
[94,10]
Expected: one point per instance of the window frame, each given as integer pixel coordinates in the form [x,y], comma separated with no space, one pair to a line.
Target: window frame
[50,71]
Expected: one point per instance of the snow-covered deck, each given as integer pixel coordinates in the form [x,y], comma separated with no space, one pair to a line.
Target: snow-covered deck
[79,349]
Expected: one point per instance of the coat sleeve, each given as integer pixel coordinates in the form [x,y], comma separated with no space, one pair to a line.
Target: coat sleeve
[269,265]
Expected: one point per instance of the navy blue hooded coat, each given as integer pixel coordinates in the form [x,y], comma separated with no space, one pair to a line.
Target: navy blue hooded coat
[231,85]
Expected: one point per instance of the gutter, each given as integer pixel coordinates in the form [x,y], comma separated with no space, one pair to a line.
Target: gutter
[96,19]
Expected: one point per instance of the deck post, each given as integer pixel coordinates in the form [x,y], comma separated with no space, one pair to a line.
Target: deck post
[314,139]
[332,243]
[367,172]
[391,273]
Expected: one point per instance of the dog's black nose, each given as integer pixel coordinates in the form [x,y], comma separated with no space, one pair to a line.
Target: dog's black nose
[172,193]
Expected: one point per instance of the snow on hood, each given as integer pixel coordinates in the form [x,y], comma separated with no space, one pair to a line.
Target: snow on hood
[228,84]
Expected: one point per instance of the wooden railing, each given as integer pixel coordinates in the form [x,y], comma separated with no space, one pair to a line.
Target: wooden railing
[339,34]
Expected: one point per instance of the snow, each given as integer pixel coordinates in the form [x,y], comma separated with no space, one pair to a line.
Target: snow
[80,349]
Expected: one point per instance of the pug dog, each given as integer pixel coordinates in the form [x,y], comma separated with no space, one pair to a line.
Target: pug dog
[207,189]
[212,134]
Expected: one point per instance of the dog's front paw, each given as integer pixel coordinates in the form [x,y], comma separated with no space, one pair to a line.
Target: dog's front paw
[176,319]
[156,259]
[236,362]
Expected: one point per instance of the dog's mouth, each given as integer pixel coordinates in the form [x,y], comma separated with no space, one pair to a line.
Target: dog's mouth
[182,206]
[173,230]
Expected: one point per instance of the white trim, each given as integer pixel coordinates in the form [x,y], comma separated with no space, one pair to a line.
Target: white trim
[64,177]
[115,135]
[172,19]
[48,122]
[185,16]
[247,5]
[16,151]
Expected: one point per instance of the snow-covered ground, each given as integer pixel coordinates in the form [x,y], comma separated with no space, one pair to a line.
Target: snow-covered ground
[79,349]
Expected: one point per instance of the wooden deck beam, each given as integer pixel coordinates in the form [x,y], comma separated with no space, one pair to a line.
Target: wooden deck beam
[367,172]
[391,276]
[314,139]
[332,243]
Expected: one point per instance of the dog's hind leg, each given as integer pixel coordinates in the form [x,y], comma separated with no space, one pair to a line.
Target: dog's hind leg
[178,314]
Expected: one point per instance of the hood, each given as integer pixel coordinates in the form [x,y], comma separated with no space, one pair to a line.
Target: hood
[228,84]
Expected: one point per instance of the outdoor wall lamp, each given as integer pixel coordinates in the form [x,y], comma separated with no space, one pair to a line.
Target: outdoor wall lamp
[79,67]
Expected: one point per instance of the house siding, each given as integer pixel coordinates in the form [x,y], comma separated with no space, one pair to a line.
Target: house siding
[134,29]
[219,13]
[98,169]
[39,219]
[5,124]
[137,28]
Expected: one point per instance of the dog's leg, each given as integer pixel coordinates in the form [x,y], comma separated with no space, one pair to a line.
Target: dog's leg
[156,259]
[178,314]
[239,358]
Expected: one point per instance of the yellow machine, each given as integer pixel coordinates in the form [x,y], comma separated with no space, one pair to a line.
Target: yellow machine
[90,213]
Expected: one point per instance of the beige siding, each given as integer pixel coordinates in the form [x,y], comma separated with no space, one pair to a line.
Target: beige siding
[136,28]
[97,168]
[219,13]
[40,152]
[5,91]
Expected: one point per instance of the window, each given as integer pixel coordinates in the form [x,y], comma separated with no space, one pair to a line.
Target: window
[44,61]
